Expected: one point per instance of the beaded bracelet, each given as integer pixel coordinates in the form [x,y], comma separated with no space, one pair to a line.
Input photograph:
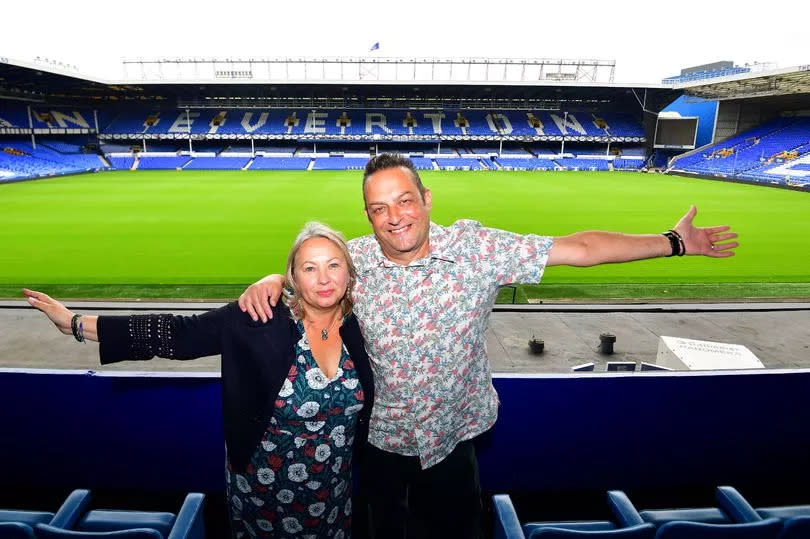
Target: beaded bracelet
[676,242]
[77,329]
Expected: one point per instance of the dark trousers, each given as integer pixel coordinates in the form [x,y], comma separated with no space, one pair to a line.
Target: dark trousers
[407,502]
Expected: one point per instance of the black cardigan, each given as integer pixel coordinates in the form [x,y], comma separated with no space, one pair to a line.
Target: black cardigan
[256,358]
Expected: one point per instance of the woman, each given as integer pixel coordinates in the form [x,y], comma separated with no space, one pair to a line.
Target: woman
[296,391]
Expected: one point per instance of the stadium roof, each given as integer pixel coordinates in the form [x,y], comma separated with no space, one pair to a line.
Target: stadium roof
[63,85]
[789,81]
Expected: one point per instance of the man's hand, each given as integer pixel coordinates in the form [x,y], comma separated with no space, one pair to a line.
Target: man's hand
[705,241]
[261,296]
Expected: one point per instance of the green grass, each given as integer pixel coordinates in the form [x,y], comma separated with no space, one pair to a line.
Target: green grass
[200,234]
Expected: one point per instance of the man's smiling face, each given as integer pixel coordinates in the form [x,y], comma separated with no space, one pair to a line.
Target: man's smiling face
[399,214]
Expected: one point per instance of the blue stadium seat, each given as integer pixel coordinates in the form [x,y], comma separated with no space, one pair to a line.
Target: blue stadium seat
[572,163]
[422,163]
[76,519]
[19,523]
[627,514]
[162,163]
[19,159]
[340,163]
[460,163]
[623,125]
[628,164]
[764,529]
[44,531]
[526,164]
[795,518]
[121,163]
[217,163]
[693,523]
[16,530]
[280,163]
[507,526]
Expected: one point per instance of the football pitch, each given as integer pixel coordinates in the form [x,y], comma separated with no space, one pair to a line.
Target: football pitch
[207,234]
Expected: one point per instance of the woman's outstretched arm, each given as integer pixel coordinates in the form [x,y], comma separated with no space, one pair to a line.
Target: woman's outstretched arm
[138,336]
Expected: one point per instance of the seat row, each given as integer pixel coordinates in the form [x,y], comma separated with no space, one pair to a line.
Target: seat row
[76,518]
[733,518]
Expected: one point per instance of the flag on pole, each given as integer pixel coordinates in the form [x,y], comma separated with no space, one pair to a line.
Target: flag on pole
[375,47]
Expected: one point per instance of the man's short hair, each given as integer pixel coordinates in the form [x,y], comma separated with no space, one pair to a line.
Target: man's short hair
[385,161]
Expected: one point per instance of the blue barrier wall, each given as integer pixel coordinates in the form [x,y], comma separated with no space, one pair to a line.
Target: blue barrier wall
[706,111]
[164,433]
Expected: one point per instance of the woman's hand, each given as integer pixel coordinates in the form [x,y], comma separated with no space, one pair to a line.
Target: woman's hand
[58,313]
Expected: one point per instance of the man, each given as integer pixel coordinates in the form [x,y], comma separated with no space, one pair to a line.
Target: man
[423,298]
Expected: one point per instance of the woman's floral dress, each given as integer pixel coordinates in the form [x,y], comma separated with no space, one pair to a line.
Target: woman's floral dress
[298,483]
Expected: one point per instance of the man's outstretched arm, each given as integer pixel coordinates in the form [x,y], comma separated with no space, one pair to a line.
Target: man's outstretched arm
[596,247]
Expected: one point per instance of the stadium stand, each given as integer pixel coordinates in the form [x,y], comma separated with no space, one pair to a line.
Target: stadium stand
[526,164]
[165,147]
[110,147]
[70,120]
[485,151]
[627,151]
[422,163]
[280,163]
[570,163]
[13,116]
[515,151]
[628,164]
[460,163]
[340,163]
[268,148]
[61,146]
[360,123]
[659,159]
[706,74]
[121,163]
[218,163]
[538,150]
[623,125]
[349,149]
[775,152]
[19,159]
[412,148]
[156,163]
[154,138]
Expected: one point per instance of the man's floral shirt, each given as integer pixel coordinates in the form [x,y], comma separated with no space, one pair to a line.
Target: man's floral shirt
[424,327]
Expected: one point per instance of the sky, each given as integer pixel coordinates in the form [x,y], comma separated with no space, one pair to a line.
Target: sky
[649,40]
